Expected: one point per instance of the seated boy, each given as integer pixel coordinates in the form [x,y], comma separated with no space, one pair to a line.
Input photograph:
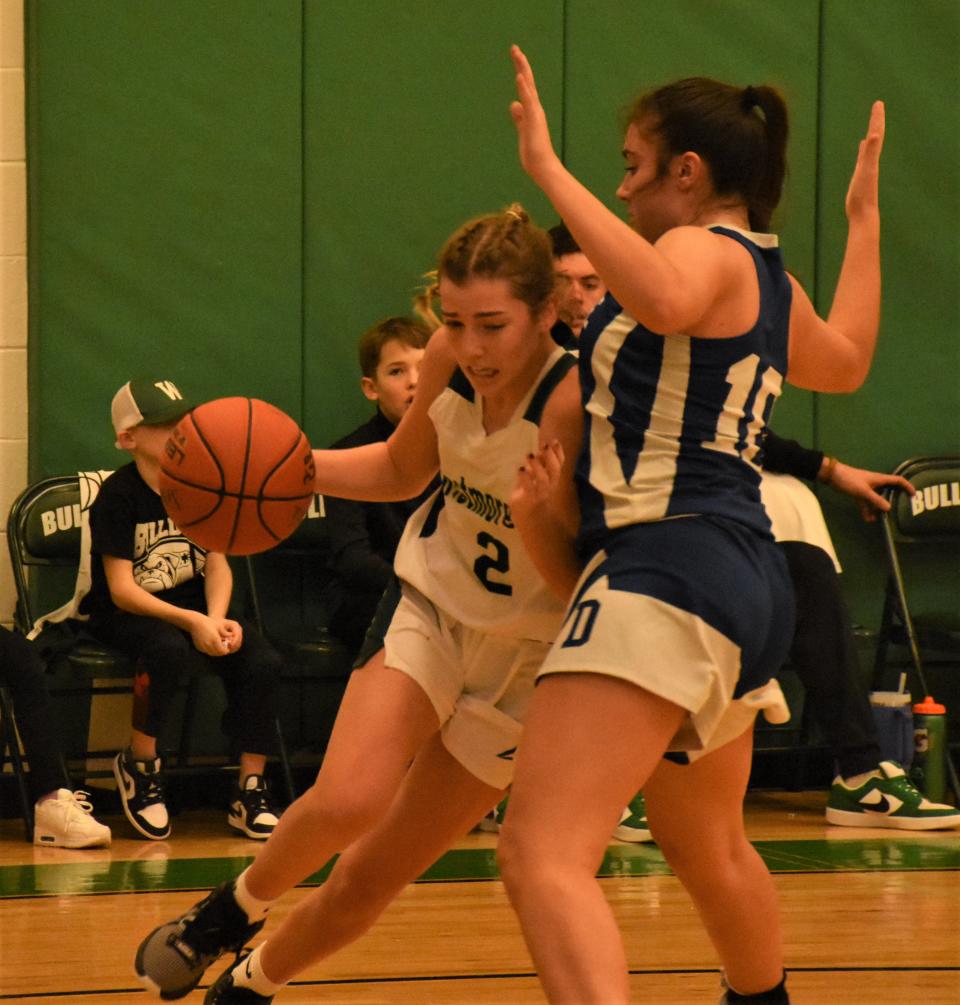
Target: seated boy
[156,596]
[363,535]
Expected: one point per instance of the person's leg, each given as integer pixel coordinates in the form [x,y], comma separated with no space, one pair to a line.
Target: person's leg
[438,802]
[251,677]
[384,719]
[21,670]
[696,817]
[824,656]
[589,744]
[159,651]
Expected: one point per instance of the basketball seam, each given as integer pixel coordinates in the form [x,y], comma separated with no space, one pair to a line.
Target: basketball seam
[216,460]
[232,495]
[262,498]
[243,474]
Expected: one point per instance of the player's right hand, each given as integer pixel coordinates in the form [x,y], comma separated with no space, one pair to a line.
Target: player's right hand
[536,148]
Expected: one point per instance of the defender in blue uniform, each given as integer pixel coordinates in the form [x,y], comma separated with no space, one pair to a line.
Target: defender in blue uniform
[682,613]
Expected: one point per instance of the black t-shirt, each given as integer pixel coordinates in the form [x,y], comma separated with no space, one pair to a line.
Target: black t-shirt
[364,535]
[363,539]
[127,520]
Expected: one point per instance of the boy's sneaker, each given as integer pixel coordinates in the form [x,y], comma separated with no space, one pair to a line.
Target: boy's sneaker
[141,788]
[66,821]
[250,809]
[172,959]
[224,992]
[633,824]
[890,800]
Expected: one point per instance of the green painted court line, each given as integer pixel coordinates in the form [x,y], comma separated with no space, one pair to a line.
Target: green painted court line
[474,864]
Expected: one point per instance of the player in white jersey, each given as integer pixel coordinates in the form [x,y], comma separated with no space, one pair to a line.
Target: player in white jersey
[682,612]
[424,739]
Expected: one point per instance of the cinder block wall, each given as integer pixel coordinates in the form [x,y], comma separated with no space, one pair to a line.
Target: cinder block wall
[13,281]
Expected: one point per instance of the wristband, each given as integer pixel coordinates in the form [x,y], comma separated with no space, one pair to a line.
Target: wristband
[828,474]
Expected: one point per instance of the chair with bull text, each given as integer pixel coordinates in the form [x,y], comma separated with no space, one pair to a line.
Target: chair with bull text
[921,607]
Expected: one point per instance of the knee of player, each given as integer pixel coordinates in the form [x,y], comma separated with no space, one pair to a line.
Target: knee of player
[346,813]
[166,649]
[524,861]
[715,857]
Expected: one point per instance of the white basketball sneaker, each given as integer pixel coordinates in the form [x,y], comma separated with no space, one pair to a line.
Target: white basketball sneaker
[66,821]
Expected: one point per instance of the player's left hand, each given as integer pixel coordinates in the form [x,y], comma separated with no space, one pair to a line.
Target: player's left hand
[862,195]
[536,148]
[536,479]
[863,486]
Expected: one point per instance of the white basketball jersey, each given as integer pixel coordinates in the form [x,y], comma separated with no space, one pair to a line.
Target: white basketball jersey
[460,548]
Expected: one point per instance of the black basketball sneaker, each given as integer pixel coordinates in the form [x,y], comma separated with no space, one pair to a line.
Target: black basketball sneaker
[172,959]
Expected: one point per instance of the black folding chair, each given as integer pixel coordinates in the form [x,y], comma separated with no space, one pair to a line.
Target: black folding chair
[921,608]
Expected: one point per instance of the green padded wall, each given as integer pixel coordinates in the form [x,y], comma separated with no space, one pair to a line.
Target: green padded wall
[406,135]
[908,55]
[164,209]
[231,191]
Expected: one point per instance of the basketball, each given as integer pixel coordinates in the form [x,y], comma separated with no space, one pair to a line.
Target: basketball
[237,475]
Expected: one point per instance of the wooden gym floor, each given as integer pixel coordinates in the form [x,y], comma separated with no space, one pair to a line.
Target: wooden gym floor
[871,917]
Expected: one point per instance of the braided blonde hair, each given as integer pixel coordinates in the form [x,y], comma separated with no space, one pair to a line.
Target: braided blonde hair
[506,245]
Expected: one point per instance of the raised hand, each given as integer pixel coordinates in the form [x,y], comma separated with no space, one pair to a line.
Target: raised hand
[862,195]
[536,148]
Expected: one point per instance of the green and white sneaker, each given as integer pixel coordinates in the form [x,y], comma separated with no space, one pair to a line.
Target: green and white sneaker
[633,824]
[888,799]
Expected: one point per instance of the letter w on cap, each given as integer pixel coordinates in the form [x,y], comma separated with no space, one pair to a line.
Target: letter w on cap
[169,389]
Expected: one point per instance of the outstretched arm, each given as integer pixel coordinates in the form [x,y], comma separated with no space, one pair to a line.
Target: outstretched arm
[835,354]
[402,466]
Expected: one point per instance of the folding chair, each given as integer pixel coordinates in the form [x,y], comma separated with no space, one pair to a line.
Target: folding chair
[922,538]
[10,747]
[44,538]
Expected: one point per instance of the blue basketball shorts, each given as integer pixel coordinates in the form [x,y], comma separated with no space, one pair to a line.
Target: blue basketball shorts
[698,610]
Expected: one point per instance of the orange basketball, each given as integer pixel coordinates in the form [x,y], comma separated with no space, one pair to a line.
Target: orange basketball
[237,475]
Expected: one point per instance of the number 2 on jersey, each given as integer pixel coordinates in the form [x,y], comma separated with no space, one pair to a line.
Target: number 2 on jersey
[498,562]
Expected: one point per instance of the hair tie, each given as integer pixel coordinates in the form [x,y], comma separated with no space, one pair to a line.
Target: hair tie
[749,99]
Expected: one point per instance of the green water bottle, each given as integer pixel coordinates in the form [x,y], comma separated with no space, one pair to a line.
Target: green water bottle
[930,749]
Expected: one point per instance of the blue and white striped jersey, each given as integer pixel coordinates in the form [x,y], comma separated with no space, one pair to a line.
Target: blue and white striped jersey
[673,422]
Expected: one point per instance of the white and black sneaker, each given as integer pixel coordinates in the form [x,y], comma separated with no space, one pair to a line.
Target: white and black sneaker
[141,788]
[225,991]
[173,958]
[251,810]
